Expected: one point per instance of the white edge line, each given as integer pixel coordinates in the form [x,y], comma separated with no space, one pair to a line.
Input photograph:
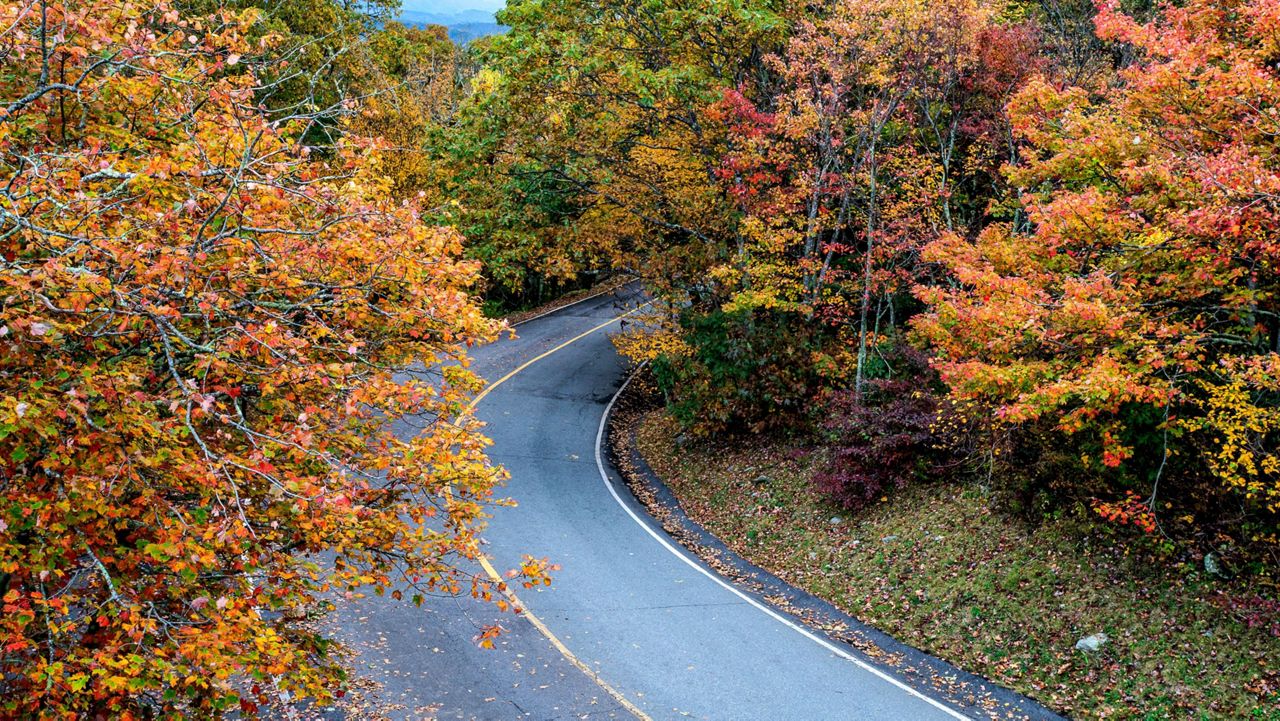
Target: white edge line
[683,556]
[593,296]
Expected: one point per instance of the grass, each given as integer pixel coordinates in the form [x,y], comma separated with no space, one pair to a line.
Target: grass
[937,568]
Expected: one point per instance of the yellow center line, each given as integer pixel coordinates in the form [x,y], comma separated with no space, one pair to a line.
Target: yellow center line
[492,386]
[506,590]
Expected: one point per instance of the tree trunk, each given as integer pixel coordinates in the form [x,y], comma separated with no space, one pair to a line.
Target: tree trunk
[867,267]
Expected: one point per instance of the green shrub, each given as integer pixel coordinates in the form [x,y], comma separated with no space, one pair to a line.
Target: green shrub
[748,372]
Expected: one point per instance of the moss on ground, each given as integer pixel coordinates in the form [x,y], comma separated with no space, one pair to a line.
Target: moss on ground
[935,567]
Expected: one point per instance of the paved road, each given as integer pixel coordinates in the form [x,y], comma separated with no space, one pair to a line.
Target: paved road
[656,628]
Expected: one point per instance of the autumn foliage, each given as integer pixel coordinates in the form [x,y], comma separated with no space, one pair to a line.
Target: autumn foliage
[1146,278]
[884,438]
[1028,242]
[1069,207]
[200,327]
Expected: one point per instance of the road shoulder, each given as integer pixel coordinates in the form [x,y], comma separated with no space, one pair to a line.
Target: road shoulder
[926,674]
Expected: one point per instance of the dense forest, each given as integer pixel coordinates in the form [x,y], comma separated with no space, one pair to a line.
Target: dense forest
[1028,241]
[1032,244]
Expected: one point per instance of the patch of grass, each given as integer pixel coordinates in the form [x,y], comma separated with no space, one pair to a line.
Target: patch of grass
[935,567]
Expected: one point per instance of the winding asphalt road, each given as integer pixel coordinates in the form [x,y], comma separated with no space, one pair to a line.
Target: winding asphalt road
[638,628]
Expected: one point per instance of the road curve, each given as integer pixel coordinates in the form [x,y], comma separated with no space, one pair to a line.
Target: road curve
[661,636]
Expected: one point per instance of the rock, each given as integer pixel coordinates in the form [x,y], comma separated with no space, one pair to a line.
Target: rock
[836,520]
[1092,644]
[1213,566]
[762,480]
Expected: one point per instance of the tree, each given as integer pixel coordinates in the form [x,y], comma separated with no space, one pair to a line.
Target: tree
[1142,303]
[413,83]
[319,61]
[838,169]
[588,122]
[851,190]
[200,328]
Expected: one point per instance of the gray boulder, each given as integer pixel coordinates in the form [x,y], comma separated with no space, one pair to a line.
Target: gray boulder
[1092,644]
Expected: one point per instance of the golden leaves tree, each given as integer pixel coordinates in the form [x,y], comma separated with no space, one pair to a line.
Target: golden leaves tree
[199,327]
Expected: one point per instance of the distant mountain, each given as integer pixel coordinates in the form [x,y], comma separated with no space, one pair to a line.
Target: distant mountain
[464,33]
[463,26]
[422,17]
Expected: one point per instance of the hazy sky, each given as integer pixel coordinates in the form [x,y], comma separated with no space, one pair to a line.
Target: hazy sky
[451,6]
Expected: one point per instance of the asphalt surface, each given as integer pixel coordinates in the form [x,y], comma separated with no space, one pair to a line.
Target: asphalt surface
[651,623]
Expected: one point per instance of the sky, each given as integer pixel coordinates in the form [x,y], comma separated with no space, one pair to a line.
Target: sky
[451,6]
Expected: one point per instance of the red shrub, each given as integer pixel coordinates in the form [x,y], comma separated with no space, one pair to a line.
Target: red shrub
[1254,612]
[883,439]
